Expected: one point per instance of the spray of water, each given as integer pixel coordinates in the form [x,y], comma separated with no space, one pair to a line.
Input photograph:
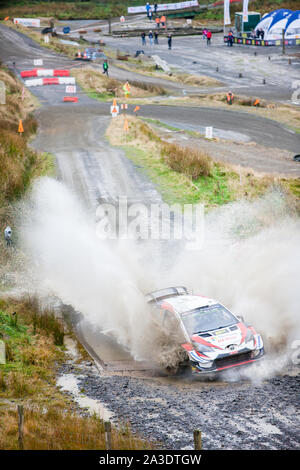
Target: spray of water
[250,262]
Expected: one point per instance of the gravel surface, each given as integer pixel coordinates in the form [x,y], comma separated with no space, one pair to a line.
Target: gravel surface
[231,415]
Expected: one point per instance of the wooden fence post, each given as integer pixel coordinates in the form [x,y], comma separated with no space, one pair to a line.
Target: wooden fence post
[20,425]
[197,439]
[107,428]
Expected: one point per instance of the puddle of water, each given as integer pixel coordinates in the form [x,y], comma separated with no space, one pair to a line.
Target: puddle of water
[68,383]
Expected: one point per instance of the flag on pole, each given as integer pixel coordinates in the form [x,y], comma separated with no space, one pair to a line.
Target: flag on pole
[227,20]
[245,11]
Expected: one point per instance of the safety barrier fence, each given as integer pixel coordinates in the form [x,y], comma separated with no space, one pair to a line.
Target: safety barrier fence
[263,42]
[45,73]
[50,81]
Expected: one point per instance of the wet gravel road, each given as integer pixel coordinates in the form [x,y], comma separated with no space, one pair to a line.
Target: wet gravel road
[231,415]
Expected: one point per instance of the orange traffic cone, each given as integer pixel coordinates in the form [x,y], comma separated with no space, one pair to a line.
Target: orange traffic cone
[20,128]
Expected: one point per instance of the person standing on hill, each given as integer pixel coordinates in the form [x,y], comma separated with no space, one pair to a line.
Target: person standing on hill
[143,36]
[148,8]
[150,36]
[170,41]
[208,37]
[105,68]
[7,235]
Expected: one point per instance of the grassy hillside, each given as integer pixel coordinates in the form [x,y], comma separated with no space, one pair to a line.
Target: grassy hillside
[19,164]
[34,354]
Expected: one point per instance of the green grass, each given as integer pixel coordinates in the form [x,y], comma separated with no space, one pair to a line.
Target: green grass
[100,96]
[156,122]
[176,188]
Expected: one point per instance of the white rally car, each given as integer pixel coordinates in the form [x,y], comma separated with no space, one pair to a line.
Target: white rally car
[213,337]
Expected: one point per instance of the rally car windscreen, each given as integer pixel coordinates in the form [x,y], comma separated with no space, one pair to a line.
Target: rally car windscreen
[204,319]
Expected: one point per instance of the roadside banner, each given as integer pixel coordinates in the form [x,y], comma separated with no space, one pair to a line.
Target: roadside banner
[38,62]
[34,22]
[165,6]
[227,19]
[71,89]
[245,11]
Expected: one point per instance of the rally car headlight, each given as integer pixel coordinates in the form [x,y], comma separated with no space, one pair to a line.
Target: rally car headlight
[206,364]
[255,353]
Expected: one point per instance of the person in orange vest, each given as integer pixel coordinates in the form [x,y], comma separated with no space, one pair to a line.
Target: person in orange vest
[163,21]
[230,39]
[157,21]
[229,97]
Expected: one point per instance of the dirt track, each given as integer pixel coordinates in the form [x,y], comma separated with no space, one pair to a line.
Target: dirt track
[231,125]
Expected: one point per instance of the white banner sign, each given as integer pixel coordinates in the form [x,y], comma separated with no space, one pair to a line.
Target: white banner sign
[38,62]
[36,23]
[245,11]
[165,6]
[227,12]
[71,89]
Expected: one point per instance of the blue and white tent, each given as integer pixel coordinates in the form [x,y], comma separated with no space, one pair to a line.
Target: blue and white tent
[273,23]
[292,29]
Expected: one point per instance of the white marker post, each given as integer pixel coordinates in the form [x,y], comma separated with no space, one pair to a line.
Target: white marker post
[209,132]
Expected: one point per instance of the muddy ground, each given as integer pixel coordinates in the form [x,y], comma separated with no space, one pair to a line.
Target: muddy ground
[231,415]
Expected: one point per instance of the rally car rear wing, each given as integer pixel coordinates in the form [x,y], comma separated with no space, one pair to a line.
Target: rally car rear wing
[162,294]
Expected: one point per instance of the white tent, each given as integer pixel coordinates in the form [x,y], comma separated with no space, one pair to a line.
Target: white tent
[274,22]
[292,30]
[277,26]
